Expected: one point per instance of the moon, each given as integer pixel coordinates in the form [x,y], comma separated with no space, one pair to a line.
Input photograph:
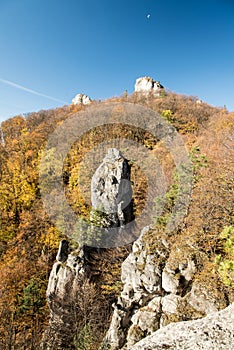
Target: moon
[148,16]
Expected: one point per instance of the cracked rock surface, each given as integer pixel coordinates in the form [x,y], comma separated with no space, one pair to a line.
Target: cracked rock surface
[213,332]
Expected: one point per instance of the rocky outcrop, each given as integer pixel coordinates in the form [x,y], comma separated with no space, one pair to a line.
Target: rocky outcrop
[64,283]
[111,194]
[159,288]
[214,332]
[159,284]
[81,99]
[111,191]
[146,85]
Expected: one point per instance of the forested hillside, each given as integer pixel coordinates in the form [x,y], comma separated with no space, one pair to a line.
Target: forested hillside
[29,240]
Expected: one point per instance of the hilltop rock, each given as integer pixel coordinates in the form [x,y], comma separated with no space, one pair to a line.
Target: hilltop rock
[214,332]
[81,99]
[146,85]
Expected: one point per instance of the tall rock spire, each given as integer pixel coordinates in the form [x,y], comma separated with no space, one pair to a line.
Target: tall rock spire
[112,197]
[111,192]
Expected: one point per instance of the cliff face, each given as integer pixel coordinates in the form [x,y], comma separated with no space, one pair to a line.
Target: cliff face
[159,288]
[72,275]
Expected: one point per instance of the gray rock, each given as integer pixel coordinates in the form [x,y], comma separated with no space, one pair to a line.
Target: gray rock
[64,282]
[170,304]
[140,299]
[201,300]
[172,278]
[111,191]
[158,288]
[214,332]
[169,282]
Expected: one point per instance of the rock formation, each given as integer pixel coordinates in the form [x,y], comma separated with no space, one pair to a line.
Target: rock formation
[159,284]
[61,293]
[214,332]
[81,99]
[158,289]
[111,190]
[146,85]
[111,193]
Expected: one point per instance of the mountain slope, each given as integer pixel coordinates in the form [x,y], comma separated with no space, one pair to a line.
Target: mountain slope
[29,240]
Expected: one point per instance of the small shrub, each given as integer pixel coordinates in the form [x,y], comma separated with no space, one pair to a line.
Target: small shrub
[167,114]
[225,260]
[85,339]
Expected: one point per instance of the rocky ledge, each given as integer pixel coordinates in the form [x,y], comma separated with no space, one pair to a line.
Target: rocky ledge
[214,332]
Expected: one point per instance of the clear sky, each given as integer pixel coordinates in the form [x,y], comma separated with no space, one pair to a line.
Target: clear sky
[59,48]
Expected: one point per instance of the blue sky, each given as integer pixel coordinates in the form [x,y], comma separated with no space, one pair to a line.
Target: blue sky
[59,48]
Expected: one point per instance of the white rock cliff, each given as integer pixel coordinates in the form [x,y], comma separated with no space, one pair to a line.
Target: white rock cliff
[146,85]
[81,99]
